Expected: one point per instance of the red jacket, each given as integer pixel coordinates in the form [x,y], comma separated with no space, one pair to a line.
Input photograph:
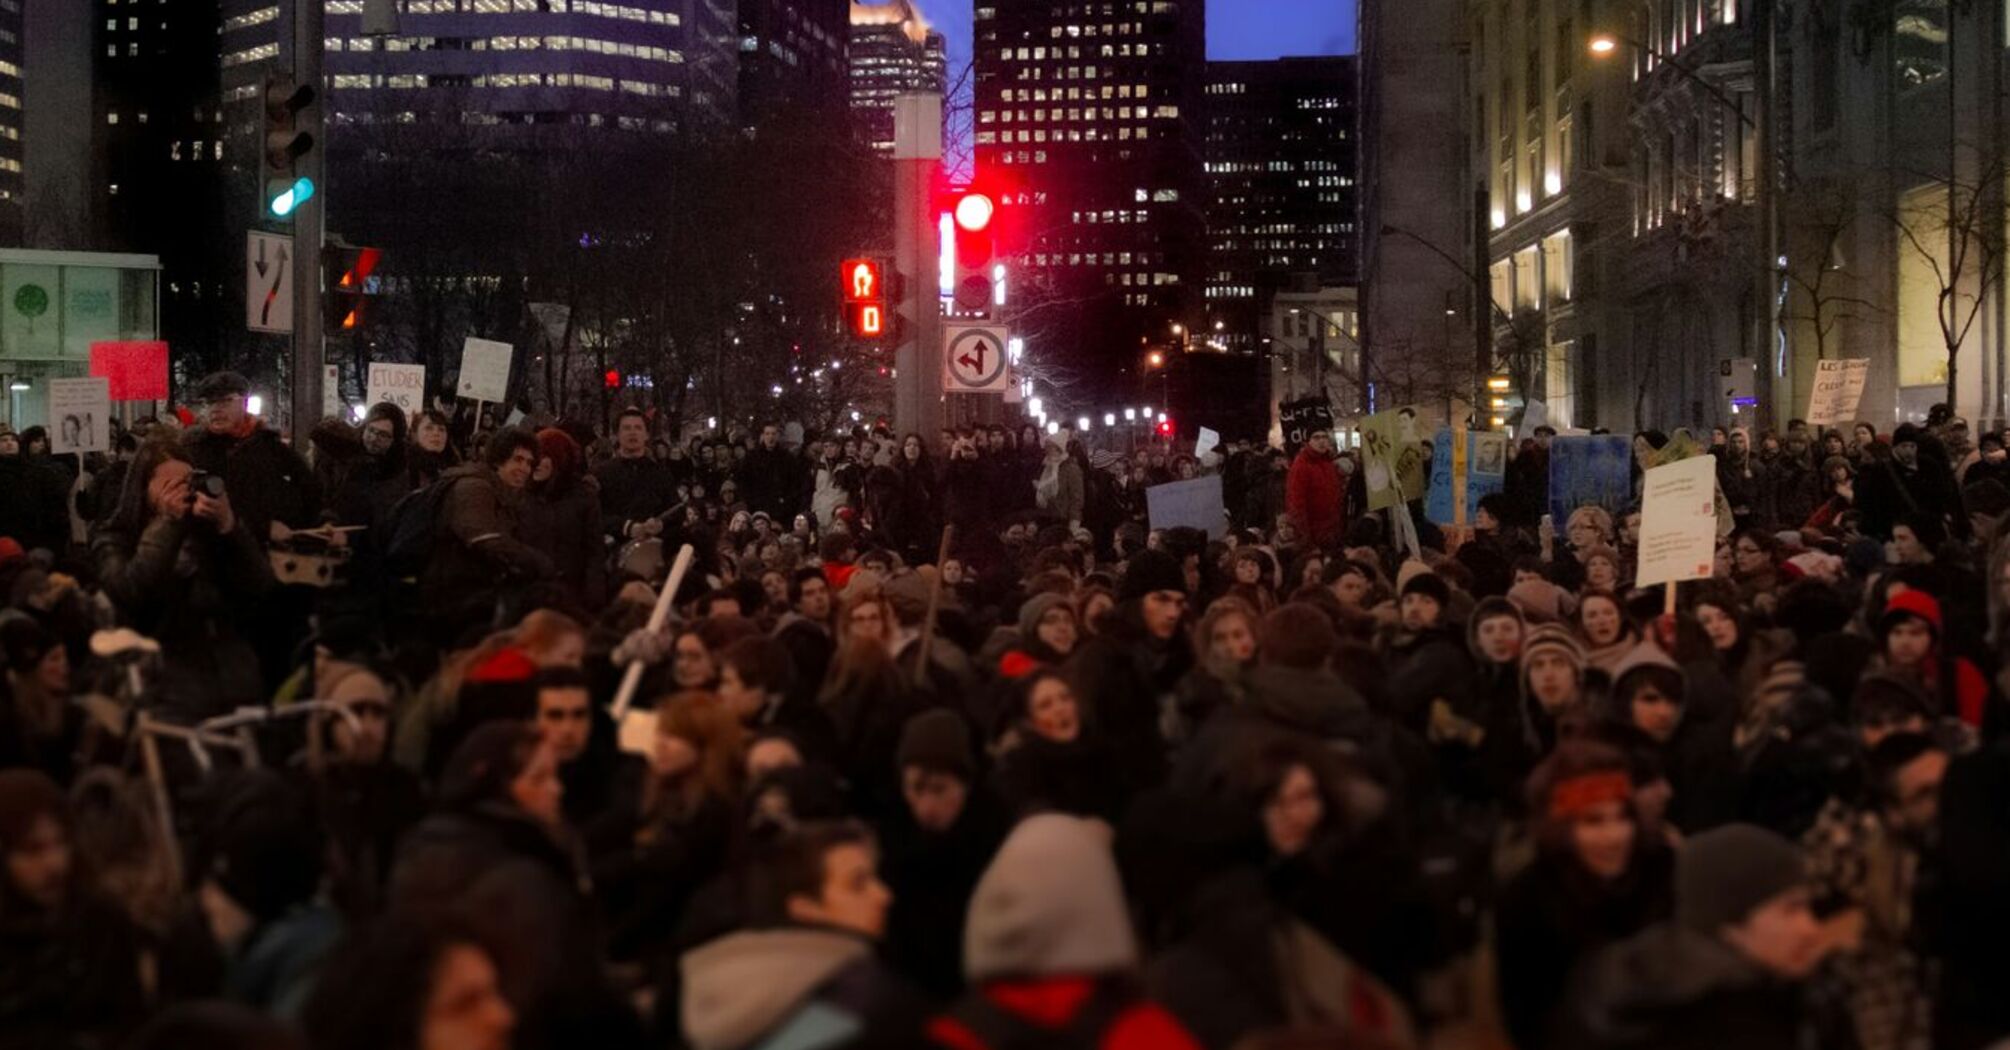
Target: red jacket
[1968,692]
[1315,497]
[1052,1003]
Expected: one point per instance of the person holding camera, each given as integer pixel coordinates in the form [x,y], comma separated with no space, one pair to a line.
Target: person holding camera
[183,567]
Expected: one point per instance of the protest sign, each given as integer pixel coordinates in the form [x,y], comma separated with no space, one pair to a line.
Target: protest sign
[1205,444]
[1838,390]
[1678,522]
[1196,502]
[1393,453]
[484,370]
[400,385]
[1301,419]
[137,368]
[1595,470]
[1457,480]
[1533,416]
[81,410]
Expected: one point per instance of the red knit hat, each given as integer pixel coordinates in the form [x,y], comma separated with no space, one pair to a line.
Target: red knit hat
[10,550]
[507,665]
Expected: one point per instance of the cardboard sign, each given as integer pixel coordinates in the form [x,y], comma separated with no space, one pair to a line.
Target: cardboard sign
[1196,503]
[1393,453]
[1838,390]
[400,385]
[80,415]
[484,370]
[1457,481]
[1678,522]
[1589,471]
[137,368]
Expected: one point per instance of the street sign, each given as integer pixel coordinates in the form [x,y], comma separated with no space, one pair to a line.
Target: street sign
[484,370]
[268,282]
[973,359]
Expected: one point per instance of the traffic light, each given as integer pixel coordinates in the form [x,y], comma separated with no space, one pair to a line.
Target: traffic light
[974,275]
[612,380]
[351,282]
[285,144]
[1166,428]
[866,295]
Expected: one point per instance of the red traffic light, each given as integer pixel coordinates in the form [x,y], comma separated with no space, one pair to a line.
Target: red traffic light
[1165,428]
[864,280]
[974,212]
[613,379]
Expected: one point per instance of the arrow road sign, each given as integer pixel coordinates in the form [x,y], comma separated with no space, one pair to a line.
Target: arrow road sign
[268,282]
[973,359]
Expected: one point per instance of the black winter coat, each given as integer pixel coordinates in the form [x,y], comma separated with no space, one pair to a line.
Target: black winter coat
[32,504]
[266,479]
[631,490]
[565,524]
[1553,915]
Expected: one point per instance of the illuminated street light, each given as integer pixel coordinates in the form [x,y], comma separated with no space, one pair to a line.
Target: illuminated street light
[1604,44]
[1155,359]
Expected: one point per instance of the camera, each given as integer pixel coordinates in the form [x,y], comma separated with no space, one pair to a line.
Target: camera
[203,483]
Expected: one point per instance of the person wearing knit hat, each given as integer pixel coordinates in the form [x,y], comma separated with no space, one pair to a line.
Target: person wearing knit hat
[936,742]
[1423,597]
[936,848]
[1047,628]
[1648,691]
[1151,572]
[1910,635]
[1049,942]
[1724,971]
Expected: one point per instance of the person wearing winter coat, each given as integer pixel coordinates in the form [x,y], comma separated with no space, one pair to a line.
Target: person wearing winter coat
[1597,879]
[560,517]
[1136,658]
[803,974]
[1050,954]
[1053,759]
[967,498]
[1315,493]
[1724,973]
[431,452]
[1797,484]
[1059,488]
[771,477]
[1910,634]
[1914,477]
[183,569]
[478,555]
[936,847]
[1428,660]
[69,960]
[635,490]
[373,483]
[267,480]
[31,499]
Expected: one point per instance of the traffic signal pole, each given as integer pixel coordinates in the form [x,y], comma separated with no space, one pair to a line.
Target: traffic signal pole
[309,225]
[917,154]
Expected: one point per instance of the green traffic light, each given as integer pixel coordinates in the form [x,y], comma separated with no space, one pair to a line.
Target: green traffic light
[292,197]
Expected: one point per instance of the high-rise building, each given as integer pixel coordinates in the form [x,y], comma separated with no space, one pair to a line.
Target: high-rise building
[1088,122]
[519,66]
[12,27]
[894,52]
[792,57]
[1281,171]
[1417,253]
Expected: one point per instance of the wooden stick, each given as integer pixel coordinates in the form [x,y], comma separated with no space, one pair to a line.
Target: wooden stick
[934,606]
[631,679]
[1668,608]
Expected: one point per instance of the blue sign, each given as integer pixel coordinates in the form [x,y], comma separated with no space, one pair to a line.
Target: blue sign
[1484,457]
[1590,471]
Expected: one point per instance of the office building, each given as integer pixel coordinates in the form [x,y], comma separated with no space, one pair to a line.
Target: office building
[792,58]
[893,52]
[1281,170]
[1088,123]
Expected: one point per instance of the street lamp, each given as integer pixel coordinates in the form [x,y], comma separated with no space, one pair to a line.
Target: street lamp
[1604,44]
[1155,359]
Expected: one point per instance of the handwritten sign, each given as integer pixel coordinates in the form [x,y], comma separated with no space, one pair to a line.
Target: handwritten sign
[1838,390]
[484,370]
[1678,522]
[400,385]
[81,411]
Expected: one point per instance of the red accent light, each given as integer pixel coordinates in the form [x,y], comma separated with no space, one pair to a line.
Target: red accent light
[613,379]
[864,280]
[872,320]
[1165,428]
[974,212]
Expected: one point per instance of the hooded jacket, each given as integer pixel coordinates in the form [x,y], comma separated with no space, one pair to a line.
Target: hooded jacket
[796,987]
[1960,687]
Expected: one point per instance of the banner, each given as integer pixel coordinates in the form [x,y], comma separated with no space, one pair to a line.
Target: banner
[1196,503]
[484,370]
[1393,458]
[1476,459]
[137,368]
[1300,419]
[1583,471]
[400,385]
[80,411]
[1838,391]
[1678,522]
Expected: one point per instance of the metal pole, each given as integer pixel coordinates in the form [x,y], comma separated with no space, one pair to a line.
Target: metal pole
[1765,306]
[309,37]
[1483,319]
[917,388]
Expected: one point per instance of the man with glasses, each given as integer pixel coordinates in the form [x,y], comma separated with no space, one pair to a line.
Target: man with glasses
[269,484]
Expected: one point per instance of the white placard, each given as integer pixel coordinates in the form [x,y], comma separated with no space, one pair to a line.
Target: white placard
[1838,390]
[80,415]
[400,385]
[1678,522]
[484,370]
[1205,443]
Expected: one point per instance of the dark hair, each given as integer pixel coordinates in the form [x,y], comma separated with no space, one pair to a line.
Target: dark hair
[761,663]
[721,594]
[1893,753]
[485,764]
[1572,758]
[504,443]
[792,864]
[133,510]
[562,678]
[631,410]
[391,967]
[800,577]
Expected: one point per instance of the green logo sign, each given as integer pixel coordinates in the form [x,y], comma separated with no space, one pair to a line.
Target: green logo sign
[31,301]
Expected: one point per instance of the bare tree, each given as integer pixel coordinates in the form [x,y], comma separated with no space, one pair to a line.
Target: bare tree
[1957,239]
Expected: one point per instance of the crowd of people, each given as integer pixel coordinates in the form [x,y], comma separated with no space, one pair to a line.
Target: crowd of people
[370,740]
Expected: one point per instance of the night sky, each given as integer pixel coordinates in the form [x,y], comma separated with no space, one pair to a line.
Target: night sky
[1235,28]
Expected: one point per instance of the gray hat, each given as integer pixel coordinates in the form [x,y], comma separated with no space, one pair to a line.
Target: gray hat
[1725,873]
[219,385]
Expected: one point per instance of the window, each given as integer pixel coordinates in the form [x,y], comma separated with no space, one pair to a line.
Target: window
[1559,383]
[1557,266]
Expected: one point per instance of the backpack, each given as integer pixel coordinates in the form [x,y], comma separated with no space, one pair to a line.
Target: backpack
[410,526]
